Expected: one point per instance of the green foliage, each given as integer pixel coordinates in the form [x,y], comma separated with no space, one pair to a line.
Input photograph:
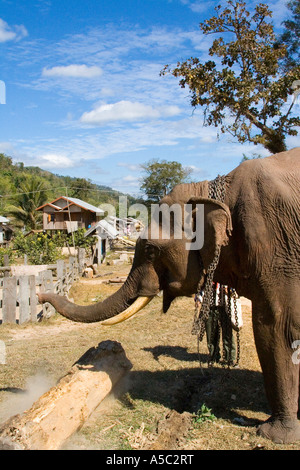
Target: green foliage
[60,238]
[244,91]
[161,176]
[42,248]
[204,414]
[31,193]
[6,251]
[291,36]
[33,183]
[39,248]
[81,188]
[80,240]
[254,156]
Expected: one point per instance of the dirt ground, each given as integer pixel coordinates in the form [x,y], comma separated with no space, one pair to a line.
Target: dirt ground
[170,400]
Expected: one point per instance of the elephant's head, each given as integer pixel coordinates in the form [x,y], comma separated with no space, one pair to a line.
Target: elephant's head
[170,262]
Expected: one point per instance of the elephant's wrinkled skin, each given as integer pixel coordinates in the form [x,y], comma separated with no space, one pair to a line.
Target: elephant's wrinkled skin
[260,258]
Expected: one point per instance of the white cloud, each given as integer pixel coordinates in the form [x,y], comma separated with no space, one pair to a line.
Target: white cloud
[10,33]
[126,182]
[74,70]
[130,166]
[194,169]
[198,6]
[134,78]
[127,111]
[6,147]
[132,180]
[53,160]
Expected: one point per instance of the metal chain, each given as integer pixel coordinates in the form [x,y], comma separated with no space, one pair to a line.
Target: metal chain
[202,309]
[238,347]
[203,303]
[216,190]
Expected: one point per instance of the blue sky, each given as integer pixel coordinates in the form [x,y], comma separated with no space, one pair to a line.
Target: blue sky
[83,93]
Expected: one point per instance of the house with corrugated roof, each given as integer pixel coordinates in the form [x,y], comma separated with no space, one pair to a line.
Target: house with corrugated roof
[70,214]
[5,230]
[103,231]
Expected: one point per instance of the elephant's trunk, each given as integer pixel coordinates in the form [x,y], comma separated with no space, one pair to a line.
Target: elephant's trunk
[123,299]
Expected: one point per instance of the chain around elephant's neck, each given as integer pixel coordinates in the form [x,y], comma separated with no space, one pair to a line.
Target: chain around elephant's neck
[216,190]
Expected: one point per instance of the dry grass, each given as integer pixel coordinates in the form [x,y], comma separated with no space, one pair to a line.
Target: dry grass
[165,376]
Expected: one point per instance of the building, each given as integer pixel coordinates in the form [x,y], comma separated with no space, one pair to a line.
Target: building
[70,214]
[5,231]
[104,233]
[128,227]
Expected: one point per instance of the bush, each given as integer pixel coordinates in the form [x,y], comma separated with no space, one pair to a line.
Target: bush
[6,251]
[204,414]
[39,248]
[81,241]
[42,248]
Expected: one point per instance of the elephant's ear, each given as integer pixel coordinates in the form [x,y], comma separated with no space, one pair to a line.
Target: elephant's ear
[217,222]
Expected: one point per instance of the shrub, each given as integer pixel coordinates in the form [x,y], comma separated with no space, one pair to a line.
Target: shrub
[6,251]
[204,414]
[42,248]
[39,248]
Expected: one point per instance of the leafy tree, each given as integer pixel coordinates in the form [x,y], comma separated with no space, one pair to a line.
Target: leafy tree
[81,188]
[32,193]
[244,91]
[39,247]
[254,156]
[291,36]
[6,251]
[5,188]
[15,179]
[161,176]
[5,163]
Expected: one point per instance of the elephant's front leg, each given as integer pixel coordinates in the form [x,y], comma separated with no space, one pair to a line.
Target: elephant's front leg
[273,332]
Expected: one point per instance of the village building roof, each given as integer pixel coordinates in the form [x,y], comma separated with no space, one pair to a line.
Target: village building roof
[70,201]
[104,226]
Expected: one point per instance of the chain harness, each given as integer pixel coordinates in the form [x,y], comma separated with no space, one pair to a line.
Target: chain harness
[205,298]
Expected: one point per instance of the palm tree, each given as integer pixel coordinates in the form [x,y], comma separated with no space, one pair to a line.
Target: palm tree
[32,193]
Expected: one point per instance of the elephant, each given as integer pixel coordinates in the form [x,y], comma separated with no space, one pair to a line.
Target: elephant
[254,226]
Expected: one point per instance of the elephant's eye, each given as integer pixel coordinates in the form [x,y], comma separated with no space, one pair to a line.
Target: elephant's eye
[151,251]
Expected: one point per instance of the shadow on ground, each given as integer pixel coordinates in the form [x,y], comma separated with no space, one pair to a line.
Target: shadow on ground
[226,391]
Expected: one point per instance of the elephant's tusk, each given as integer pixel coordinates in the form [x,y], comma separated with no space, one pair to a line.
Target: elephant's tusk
[137,305]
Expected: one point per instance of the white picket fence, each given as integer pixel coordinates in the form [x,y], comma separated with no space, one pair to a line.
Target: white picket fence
[18,294]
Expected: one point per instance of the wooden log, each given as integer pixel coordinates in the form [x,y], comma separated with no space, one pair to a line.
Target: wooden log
[64,408]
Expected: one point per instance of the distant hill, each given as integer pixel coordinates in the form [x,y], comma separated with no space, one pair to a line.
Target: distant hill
[12,175]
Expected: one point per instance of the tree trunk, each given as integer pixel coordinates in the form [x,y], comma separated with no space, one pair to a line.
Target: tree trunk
[64,408]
